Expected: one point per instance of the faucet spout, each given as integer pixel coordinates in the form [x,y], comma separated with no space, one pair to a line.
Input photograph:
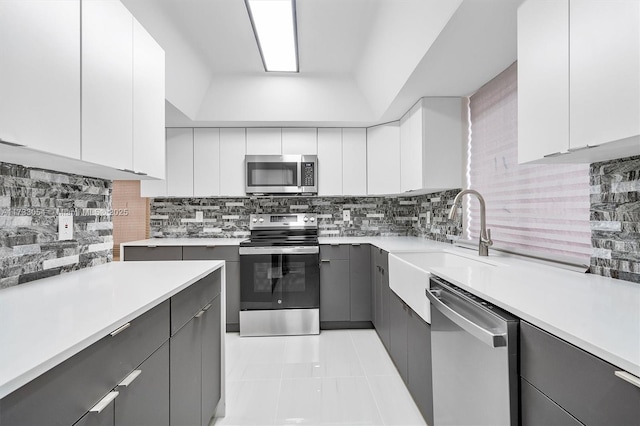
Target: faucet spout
[485,234]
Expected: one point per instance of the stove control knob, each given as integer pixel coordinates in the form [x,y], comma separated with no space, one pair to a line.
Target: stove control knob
[255,220]
[261,220]
[306,219]
[313,219]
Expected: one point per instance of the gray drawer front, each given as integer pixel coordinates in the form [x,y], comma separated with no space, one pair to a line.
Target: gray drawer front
[579,382]
[189,301]
[538,410]
[63,394]
[152,253]
[228,253]
[329,252]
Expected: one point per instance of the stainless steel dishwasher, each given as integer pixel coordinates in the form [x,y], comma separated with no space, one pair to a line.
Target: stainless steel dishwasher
[474,350]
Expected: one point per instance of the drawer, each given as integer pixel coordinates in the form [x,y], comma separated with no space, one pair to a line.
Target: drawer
[153,253]
[579,382]
[192,299]
[536,409]
[337,252]
[226,253]
[65,393]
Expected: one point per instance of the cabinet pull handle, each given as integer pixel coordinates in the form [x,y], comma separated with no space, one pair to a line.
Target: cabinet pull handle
[199,314]
[152,246]
[355,244]
[581,148]
[104,402]
[120,329]
[130,378]
[209,246]
[325,260]
[206,308]
[553,154]
[628,377]
[334,244]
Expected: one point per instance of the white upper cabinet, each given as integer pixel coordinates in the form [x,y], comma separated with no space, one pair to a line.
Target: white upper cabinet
[329,162]
[303,141]
[383,159]
[40,75]
[443,141]
[578,84]
[264,141]
[232,168]
[148,104]
[180,162]
[431,145]
[543,79]
[411,149]
[206,162]
[354,161]
[604,48]
[107,84]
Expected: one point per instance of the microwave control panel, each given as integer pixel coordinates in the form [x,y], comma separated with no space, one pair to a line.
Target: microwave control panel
[308,174]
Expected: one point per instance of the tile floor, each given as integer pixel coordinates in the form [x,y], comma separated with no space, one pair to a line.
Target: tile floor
[338,377]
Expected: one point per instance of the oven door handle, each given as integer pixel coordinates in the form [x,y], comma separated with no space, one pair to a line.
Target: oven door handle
[279,250]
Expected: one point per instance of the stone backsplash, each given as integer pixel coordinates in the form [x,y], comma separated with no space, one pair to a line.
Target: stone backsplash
[423,215]
[30,201]
[615,218]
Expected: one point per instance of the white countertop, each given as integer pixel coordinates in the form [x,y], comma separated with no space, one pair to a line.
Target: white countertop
[598,314]
[47,321]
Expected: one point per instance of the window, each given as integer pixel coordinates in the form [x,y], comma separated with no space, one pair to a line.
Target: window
[532,209]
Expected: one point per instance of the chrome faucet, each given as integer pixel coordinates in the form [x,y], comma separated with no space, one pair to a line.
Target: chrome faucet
[485,234]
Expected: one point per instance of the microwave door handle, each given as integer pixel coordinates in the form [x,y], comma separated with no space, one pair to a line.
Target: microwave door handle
[300,174]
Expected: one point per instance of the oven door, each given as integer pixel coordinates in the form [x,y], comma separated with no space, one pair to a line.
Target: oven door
[279,281]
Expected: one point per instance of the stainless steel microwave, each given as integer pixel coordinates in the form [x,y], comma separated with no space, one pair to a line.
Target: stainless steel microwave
[281,174]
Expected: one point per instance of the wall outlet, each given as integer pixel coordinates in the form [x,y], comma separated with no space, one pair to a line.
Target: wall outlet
[200,216]
[65,227]
[346,216]
[429,217]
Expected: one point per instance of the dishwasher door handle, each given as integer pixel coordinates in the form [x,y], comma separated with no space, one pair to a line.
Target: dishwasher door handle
[495,340]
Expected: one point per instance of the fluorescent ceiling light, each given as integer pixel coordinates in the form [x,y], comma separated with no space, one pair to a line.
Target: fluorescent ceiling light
[274,25]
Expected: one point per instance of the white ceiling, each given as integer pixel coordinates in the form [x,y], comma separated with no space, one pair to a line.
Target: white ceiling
[361,61]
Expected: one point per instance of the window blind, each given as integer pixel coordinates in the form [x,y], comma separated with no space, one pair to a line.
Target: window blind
[531,208]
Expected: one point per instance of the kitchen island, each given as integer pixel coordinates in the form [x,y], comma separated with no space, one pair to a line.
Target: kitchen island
[117,313]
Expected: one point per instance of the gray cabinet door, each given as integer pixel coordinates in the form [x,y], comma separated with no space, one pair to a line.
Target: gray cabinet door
[375,286]
[398,334]
[145,402]
[334,290]
[189,301]
[385,292]
[334,251]
[579,382]
[419,364]
[104,418]
[185,375]
[232,288]
[226,253]
[538,410]
[360,282]
[211,360]
[230,255]
[152,253]
[65,393]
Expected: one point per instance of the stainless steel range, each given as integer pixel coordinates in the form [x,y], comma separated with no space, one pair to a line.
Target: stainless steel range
[280,276]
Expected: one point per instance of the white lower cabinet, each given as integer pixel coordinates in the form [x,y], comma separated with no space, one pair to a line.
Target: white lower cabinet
[383,159]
